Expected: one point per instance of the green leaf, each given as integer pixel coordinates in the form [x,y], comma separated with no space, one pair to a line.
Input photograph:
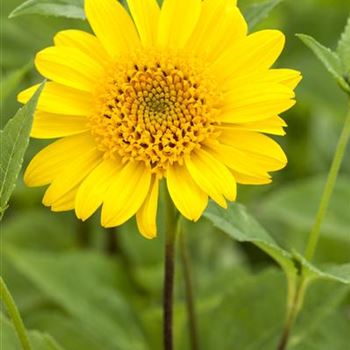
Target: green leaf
[255,13]
[57,8]
[39,341]
[238,224]
[329,59]
[14,141]
[343,49]
[85,286]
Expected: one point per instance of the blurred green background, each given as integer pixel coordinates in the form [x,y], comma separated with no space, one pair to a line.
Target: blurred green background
[101,289]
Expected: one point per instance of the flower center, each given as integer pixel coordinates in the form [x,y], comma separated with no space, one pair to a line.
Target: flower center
[155,108]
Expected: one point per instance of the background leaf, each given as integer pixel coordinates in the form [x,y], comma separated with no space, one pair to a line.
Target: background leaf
[14,141]
[343,49]
[88,292]
[58,8]
[257,12]
[39,341]
[329,59]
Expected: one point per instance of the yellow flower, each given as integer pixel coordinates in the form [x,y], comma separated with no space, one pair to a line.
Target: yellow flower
[180,93]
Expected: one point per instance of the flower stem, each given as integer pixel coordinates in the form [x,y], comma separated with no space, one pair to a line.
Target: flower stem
[190,304]
[15,315]
[328,190]
[169,273]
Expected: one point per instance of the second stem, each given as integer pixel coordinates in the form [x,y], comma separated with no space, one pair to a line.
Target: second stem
[169,274]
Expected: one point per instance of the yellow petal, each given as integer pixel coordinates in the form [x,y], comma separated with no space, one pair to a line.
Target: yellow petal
[147,215]
[256,101]
[212,176]
[66,202]
[272,126]
[93,189]
[53,159]
[177,21]
[237,160]
[70,67]
[71,175]
[257,52]
[251,180]
[126,194]
[220,25]
[59,99]
[146,16]
[85,42]
[49,125]
[287,77]
[262,148]
[112,26]
[187,196]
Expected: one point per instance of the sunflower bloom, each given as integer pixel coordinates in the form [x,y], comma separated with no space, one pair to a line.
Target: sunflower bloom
[180,93]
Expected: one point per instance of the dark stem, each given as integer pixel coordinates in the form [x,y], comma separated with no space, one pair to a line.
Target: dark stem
[282,345]
[169,273]
[112,245]
[83,234]
[190,304]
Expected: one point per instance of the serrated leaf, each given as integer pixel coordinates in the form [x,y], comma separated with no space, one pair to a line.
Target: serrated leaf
[14,141]
[57,8]
[343,49]
[255,13]
[329,59]
[84,286]
[38,340]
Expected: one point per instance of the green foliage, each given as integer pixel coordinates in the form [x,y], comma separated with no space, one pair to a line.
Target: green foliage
[257,12]
[39,341]
[343,49]
[58,8]
[85,287]
[248,304]
[14,141]
[330,60]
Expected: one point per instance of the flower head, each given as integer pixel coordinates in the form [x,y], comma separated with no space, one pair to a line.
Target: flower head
[180,93]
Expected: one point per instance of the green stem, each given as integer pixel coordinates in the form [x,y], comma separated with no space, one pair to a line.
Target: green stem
[169,274]
[15,315]
[190,304]
[328,190]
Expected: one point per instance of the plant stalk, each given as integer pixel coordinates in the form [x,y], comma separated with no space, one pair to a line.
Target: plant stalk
[12,309]
[189,291]
[328,189]
[169,274]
